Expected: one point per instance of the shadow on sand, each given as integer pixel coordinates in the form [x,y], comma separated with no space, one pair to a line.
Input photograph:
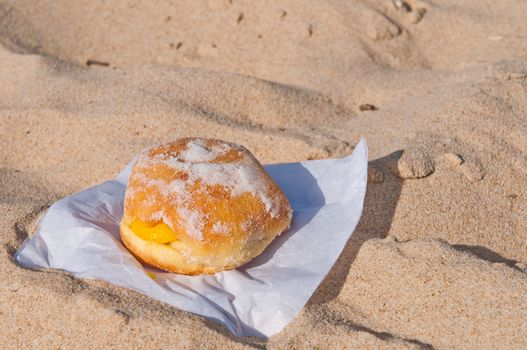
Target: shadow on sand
[379,208]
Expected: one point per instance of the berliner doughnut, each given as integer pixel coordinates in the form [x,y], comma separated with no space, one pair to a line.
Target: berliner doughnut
[200,206]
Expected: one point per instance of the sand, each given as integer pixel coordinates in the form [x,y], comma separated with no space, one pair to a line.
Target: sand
[438,89]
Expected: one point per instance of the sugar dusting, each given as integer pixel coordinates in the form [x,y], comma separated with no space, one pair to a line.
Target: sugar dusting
[221,228]
[161,216]
[238,177]
[193,222]
[198,152]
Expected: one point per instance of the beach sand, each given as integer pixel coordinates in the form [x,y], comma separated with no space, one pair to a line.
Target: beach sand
[438,89]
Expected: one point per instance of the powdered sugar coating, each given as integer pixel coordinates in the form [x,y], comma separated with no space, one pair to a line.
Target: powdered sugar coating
[193,222]
[208,164]
[221,228]
[197,151]
[238,177]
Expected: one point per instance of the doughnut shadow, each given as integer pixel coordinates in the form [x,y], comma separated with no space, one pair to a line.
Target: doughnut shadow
[304,195]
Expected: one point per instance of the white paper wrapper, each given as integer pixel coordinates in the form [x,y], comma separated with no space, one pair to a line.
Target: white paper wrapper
[80,235]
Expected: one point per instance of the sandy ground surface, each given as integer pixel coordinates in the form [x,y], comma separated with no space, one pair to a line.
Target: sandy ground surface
[439,258]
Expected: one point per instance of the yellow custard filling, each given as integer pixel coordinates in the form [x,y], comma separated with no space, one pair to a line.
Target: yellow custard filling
[159,233]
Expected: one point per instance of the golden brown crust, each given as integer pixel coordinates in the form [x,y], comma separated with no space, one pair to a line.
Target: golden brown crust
[215,196]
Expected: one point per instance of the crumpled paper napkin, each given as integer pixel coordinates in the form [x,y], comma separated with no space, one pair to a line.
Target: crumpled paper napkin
[80,234]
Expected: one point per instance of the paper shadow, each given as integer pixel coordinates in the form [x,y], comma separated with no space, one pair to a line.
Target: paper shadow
[377,215]
[306,199]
